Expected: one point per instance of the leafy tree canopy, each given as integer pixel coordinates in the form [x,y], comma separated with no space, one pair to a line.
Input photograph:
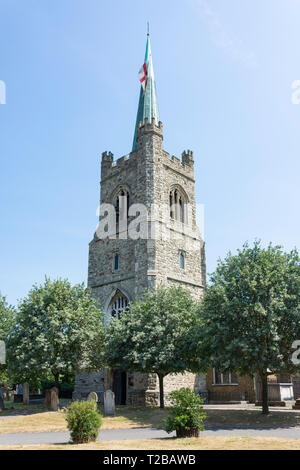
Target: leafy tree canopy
[7,316]
[59,329]
[251,312]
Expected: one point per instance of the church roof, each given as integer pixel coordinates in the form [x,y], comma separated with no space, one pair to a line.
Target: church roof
[148,107]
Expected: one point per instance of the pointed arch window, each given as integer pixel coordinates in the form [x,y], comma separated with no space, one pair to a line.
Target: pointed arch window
[121,204]
[177,202]
[118,304]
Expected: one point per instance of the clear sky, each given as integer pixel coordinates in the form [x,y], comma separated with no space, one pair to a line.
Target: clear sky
[224,71]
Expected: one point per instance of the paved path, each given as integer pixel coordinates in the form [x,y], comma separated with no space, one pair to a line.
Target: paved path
[144,433]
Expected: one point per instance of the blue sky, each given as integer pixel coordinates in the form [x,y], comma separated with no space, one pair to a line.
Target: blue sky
[224,71]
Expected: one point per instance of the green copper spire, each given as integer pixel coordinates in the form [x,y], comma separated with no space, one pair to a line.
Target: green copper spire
[148,107]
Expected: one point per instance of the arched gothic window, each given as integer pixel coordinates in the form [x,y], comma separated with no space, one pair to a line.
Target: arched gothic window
[177,204]
[121,204]
[118,304]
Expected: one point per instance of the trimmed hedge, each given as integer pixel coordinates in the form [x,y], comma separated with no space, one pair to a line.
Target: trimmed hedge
[185,413]
[84,421]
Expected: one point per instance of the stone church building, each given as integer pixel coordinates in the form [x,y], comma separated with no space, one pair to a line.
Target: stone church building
[165,247]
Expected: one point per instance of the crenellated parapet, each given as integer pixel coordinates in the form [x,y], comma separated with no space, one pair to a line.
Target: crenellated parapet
[107,157]
[150,127]
[184,165]
[187,157]
[109,167]
[107,162]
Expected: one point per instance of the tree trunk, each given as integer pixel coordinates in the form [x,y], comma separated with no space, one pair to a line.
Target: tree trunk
[161,390]
[56,380]
[265,398]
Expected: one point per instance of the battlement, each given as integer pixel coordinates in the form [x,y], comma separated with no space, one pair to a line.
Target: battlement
[186,163]
[107,157]
[187,157]
[150,127]
[110,167]
[121,162]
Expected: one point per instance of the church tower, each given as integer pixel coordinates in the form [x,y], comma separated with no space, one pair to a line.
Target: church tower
[147,235]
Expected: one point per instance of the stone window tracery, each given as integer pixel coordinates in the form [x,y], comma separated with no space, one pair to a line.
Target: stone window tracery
[177,202]
[121,204]
[118,304]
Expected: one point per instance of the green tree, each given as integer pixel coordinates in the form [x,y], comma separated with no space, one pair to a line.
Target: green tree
[6,324]
[59,330]
[251,313]
[153,335]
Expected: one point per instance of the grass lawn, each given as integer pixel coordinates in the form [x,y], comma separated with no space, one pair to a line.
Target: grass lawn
[130,417]
[126,417]
[202,443]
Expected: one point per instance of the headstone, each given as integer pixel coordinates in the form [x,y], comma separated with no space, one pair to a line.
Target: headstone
[92,396]
[76,396]
[26,393]
[109,403]
[54,399]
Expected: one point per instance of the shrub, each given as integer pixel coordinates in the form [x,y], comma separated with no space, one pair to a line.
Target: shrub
[84,421]
[185,413]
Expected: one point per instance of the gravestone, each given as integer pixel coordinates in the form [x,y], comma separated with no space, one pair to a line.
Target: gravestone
[109,403]
[26,393]
[54,399]
[92,396]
